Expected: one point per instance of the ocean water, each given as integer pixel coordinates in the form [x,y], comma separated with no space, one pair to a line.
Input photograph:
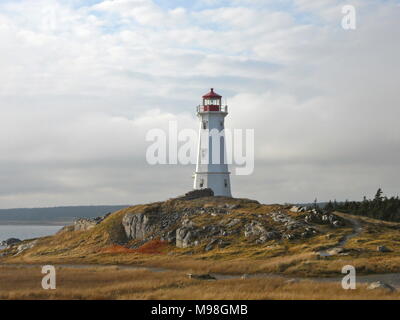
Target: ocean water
[26,231]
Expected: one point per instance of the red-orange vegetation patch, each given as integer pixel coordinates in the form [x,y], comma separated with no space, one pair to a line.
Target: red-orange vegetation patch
[153,247]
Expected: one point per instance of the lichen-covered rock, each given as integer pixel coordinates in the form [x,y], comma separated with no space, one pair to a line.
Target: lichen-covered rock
[297,209]
[383,249]
[139,225]
[186,236]
[10,242]
[315,216]
[380,285]
[254,228]
[84,224]
[25,246]
[186,225]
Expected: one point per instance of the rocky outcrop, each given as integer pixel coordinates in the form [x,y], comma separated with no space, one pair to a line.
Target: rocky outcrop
[292,228]
[380,285]
[25,246]
[185,225]
[152,224]
[84,224]
[296,209]
[196,194]
[176,226]
[9,242]
[383,249]
[186,237]
[319,217]
[139,225]
[255,229]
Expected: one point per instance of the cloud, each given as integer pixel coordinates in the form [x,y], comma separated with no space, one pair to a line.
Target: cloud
[83,82]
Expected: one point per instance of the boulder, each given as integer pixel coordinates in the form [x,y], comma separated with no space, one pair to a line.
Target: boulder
[380,285]
[186,236]
[84,224]
[296,209]
[317,217]
[335,251]
[337,223]
[9,242]
[170,236]
[205,276]
[254,228]
[139,225]
[292,281]
[25,246]
[383,249]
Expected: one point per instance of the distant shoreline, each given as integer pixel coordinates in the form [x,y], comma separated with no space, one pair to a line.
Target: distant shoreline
[36,223]
[53,216]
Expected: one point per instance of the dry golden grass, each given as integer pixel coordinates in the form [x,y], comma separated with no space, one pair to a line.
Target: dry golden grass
[97,246]
[114,283]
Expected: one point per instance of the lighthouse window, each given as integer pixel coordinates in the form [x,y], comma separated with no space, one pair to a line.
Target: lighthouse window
[204,124]
[226,183]
[221,123]
[201,183]
[203,153]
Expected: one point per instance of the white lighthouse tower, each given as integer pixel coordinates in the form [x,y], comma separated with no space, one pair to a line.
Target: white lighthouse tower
[212,169]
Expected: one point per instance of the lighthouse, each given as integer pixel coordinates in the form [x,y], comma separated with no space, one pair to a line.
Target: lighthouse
[212,169]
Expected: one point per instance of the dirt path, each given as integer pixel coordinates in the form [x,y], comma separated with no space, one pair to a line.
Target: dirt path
[357,229]
[338,248]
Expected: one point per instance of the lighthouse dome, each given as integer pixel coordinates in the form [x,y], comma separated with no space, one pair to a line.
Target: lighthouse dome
[211,94]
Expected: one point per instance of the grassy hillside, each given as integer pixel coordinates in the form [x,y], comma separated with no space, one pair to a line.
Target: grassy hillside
[107,244]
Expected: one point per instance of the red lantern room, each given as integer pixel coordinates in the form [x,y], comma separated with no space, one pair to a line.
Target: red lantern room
[212,101]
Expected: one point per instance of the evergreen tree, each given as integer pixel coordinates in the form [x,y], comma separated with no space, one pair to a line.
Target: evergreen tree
[380,207]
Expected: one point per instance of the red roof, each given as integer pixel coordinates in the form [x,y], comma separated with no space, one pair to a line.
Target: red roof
[212,94]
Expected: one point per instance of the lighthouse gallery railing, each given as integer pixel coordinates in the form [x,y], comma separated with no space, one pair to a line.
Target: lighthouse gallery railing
[212,108]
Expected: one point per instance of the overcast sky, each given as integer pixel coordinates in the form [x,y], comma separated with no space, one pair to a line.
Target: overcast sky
[83,81]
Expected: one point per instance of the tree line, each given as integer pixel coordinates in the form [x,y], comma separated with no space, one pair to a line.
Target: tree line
[380,207]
